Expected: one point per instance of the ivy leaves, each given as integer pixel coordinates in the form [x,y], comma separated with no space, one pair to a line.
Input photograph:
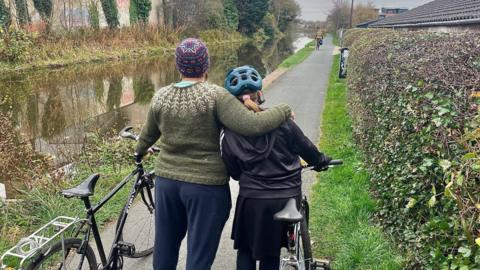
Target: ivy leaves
[111,12]
[417,122]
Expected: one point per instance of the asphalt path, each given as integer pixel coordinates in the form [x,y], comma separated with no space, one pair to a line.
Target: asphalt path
[303,88]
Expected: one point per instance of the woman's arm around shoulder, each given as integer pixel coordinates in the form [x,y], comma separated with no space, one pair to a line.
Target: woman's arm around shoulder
[235,116]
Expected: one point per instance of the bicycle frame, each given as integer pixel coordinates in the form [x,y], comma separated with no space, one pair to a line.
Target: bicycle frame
[293,245]
[293,250]
[112,260]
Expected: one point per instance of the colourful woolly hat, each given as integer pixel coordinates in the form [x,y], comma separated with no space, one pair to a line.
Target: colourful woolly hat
[192,58]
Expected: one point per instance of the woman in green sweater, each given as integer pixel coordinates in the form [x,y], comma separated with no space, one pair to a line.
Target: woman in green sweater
[191,191]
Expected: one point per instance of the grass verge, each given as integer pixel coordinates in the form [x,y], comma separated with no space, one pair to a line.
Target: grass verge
[341,204]
[299,56]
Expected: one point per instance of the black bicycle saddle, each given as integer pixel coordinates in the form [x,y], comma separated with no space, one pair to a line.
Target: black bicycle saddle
[85,189]
[289,213]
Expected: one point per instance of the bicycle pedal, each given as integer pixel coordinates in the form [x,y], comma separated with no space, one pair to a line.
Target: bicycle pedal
[126,249]
[321,265]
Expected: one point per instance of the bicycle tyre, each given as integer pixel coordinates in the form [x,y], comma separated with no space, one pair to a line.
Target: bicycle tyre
[56,249]
[306,245]
[143,240]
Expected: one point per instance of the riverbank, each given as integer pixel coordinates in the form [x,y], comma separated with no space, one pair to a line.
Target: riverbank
[106,155]
[299,56]
[21,51]
[341,203]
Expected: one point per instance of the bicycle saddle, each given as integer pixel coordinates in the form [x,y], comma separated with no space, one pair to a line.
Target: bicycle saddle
[85,189]
[289,213]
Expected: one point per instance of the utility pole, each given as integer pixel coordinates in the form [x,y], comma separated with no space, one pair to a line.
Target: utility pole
[351,15]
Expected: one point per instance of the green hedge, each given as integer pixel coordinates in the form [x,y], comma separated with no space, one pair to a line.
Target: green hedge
[417,121]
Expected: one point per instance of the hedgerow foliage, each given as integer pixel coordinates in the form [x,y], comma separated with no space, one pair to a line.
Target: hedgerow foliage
[15,45]
[417,120]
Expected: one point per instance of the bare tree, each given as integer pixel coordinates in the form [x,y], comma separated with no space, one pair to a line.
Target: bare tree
[339,16]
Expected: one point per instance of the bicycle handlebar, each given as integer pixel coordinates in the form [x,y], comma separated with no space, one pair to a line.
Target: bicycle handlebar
[336,162]
[127,133]
[333,162]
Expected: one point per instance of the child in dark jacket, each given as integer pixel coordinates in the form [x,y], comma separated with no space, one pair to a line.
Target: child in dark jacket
[268,169]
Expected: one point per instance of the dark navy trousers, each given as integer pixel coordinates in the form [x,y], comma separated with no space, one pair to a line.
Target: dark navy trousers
[202,210]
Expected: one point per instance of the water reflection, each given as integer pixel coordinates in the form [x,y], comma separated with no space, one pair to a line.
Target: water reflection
[53,110]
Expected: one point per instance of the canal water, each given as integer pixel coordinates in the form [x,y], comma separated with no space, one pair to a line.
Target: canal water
[53,110]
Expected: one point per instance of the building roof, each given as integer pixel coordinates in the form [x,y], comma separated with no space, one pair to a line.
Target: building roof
[436,13]
[367,23]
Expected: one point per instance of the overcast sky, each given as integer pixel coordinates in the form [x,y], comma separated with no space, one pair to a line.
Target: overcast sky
[317,10]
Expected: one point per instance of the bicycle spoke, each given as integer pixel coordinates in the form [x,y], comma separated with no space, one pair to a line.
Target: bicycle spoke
[138,226]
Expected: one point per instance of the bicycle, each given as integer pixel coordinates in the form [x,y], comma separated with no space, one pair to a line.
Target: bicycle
[299,248]
[40,251]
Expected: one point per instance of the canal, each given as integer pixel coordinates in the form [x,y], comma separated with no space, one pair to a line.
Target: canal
[54,110]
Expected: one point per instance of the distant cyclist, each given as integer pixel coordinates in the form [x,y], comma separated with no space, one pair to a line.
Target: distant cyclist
[318,40]
[269,173]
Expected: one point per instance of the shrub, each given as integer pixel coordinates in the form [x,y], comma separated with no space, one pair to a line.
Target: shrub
[420,131]
[19,163]
[15,45]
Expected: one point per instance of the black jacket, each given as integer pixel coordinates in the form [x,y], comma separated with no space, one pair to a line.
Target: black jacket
[269,166]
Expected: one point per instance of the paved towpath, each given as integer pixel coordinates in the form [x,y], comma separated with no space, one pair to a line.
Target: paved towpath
[303,87]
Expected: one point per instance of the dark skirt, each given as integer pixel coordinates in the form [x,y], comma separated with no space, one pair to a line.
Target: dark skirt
[254,228]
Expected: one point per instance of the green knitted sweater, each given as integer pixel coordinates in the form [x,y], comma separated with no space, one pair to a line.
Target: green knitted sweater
[187,121]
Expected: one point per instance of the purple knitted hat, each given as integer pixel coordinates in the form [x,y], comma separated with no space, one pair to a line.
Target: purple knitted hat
[192,58]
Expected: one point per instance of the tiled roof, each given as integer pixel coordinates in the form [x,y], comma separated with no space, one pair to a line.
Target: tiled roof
[438,12]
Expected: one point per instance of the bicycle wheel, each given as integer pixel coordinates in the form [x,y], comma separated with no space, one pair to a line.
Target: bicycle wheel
[139,227]
[51,259]
[304,253]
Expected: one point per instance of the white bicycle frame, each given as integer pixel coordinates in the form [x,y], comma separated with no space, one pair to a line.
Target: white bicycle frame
[29,246]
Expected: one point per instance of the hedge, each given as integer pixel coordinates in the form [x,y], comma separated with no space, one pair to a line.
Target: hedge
[416,118]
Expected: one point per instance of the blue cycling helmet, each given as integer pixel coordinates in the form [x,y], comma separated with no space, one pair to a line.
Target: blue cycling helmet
[242,78]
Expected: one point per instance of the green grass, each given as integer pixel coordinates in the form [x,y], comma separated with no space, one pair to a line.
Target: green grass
[341,204]
[299,56]
[335,39]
